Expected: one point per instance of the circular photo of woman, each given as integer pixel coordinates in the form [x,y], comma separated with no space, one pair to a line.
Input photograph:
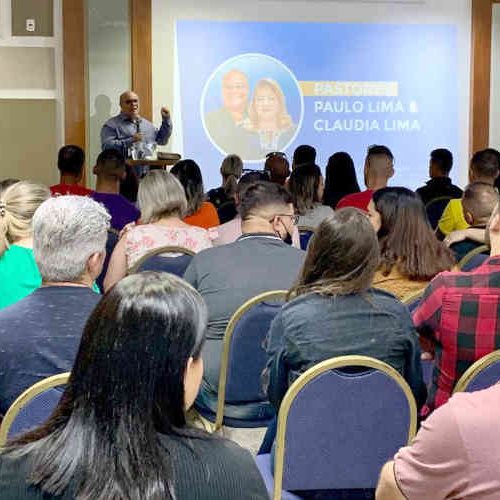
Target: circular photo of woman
[251,105]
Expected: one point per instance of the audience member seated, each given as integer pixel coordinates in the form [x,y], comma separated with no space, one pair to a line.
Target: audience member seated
[120,429]
[19,274]
[379,168]
[163,204]
[40,334]
[229,275]
[5,183]
[495,155]
[110,170]
[303,155]
[340,179]
[454,455]
[199,212]
[411,255]
[457,319]
[483,168]
[70,161]
[222,198]
[478,202]
[439,184]
[231,231]
[277,167]
[306,187]
[333,311]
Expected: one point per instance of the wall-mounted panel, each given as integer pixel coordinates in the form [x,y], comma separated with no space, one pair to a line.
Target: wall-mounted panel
[27,68]
[32,18]
[28,146]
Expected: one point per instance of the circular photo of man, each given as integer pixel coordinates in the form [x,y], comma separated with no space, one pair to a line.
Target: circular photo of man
[251,105]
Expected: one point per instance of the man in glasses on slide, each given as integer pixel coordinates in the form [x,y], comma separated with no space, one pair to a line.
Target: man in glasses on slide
[128,128]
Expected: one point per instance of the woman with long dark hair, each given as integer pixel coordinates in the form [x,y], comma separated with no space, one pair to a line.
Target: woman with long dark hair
[119,431]
[333,311]
[306,187]
[340,179]
[410,253]
[199,211]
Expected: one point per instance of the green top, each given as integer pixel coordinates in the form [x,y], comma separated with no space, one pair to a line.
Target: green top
[19,275]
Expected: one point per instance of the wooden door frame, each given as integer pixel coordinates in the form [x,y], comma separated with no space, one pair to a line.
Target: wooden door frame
[75,65]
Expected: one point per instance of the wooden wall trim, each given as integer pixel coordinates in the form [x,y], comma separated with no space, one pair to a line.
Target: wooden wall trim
[482,11]
[74,57]
[142,72]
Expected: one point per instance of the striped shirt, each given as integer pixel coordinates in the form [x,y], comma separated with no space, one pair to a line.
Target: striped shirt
[458,319]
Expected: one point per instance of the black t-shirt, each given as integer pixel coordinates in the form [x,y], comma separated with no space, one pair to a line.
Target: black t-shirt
[225,205]
[203,469]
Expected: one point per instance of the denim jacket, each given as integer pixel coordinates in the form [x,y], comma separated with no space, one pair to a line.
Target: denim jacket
[313,328]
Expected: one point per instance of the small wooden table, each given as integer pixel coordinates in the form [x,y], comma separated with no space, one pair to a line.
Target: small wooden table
[153,163]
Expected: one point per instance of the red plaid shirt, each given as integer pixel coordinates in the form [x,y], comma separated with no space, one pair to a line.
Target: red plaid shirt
[459,316]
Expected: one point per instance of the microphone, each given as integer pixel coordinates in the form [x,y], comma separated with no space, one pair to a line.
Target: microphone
[137,122]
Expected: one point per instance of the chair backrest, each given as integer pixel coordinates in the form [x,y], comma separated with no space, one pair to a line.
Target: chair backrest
[305,233]
[32,407]
[156,260]
[243,354]
[482,374]
[474,258]
[435,209]
[336,429]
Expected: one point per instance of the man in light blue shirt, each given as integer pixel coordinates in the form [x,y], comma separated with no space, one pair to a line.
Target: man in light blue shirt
[127,128]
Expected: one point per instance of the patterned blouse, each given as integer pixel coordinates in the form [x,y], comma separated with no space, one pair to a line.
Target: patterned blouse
[144,238]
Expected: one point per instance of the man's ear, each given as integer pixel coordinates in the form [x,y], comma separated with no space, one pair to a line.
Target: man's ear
[468,218]
[94,170]
[95,263]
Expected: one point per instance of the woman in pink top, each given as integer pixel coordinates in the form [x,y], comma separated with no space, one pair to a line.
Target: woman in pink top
[162,203]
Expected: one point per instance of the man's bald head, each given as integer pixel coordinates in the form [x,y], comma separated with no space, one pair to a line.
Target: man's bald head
[129,104]
[235,91]
[478,202]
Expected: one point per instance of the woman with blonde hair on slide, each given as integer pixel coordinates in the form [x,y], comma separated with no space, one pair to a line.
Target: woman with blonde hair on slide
[269,122]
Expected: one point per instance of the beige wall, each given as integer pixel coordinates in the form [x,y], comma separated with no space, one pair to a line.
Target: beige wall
[31,94]
[27,139]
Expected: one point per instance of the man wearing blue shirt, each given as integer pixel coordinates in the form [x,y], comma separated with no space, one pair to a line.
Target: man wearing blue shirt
[127,128]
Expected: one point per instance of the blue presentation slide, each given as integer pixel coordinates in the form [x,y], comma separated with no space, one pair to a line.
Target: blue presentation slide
[252,88]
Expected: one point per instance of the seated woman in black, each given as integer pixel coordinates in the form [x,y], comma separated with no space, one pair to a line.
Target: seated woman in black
[119,431]
[333,311]
[223,198]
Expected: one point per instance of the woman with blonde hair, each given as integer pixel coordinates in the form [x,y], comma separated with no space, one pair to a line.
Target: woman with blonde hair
[163,204]
[19,275]
[268,120]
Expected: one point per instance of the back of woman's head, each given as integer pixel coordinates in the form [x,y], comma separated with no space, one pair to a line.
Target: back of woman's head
[342,256]
[340,179]
[161,195]
[405,236]
[231,170]
[18,204]
[304,184]
[127,384]
[189,174]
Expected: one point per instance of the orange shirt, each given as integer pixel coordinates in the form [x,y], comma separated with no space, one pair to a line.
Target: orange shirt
[206,216]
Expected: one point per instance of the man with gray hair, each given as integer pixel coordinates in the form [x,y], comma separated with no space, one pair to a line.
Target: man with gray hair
[40,335]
